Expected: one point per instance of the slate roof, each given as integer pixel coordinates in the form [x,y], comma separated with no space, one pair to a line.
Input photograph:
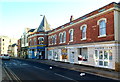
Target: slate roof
[44,26]
[14,45]
[31,30]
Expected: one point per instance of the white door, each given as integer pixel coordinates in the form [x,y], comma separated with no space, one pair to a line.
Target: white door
[72,57]
[103,60]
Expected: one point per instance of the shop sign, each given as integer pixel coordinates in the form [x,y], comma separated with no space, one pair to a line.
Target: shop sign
[64,53]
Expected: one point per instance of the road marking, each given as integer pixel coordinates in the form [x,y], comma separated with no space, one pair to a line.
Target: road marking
[14,75]
[24,64]
[65,77]
[82,74]
[7,74]
[38,68]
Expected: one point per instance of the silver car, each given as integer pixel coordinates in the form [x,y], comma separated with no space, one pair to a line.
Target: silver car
[6,57]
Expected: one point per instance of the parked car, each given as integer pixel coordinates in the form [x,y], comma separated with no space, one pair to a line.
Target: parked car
[6,57]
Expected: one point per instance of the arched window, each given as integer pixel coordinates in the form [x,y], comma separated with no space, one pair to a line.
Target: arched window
[41,40]
[71,35]
[61,37]
[49,40]
[102,27]
[64,37]
[55,38]
[83,29]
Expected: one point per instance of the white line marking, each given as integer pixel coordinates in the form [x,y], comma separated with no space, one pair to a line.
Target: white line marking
[38,68]
[7,74]
[65,77]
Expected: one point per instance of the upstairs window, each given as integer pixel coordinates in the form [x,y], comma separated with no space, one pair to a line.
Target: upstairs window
[34,41]
[102,27]
[55,38]
[64,37]
[83,29]
[49,40]
[41,40]
[71,35]
[61,37]
[30,42]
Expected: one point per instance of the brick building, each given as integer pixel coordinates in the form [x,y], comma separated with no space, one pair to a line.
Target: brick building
[38,40]
[92,39]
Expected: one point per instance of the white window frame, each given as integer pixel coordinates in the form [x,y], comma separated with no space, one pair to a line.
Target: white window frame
[98,23]
[49,38]
[39,39]
[35,41]
[52,37]
[55,38]
[81,28]
[60,37]
[64,36]
[71,39]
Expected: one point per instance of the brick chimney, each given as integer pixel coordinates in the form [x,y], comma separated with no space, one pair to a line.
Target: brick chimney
[71,18]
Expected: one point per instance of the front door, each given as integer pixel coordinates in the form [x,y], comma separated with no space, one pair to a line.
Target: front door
[102,58]
[72,57]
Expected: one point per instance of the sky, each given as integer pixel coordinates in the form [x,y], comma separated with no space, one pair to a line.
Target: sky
[16,15]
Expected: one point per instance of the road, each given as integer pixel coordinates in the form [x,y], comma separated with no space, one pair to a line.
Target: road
[29,70]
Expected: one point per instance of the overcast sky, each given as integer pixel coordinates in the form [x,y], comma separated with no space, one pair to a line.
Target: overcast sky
[15,15]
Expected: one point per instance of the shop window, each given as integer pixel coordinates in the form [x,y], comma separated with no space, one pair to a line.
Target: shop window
[96,54]
[105,63]
[64,53]
[100,55]
[101,63]
[106,54]
[110,54]
[83,55]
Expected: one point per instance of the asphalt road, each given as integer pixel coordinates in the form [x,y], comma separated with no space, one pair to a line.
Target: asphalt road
[33,71]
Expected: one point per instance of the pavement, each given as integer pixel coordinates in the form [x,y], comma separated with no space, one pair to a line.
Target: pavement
[81,68]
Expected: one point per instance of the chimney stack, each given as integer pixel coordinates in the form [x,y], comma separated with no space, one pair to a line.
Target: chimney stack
[71,18]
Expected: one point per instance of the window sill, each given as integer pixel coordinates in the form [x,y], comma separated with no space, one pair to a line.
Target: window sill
[84,39]
[101,36]
[60,43]
[64,42]
[71,41]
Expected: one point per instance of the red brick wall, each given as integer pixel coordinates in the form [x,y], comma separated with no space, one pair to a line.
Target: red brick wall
[92,30]
[19,44]
[36,37]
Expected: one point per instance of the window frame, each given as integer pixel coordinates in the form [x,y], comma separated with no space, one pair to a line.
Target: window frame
[98,23]
[60,37]
[81,28]
[39,40]
[71,39]
[64,36]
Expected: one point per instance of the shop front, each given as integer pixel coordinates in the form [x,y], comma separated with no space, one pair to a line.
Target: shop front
[37,51]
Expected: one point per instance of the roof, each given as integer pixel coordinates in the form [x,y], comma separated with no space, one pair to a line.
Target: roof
[14,45]
[44,26]
[31,30]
